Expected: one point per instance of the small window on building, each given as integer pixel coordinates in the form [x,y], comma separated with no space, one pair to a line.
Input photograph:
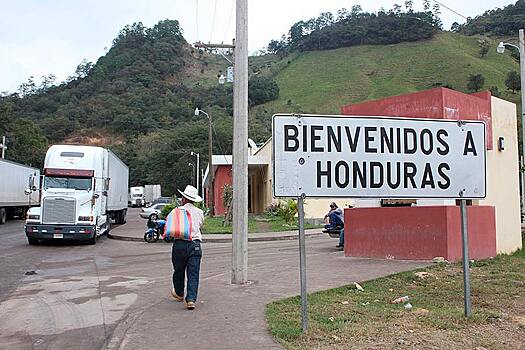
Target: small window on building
[397,202]
[72,154]
[469,202]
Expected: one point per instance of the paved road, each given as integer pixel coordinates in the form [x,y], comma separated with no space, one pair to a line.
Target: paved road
[114,294]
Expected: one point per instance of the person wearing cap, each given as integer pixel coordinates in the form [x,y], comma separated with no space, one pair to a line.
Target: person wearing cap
[186,254]
[336,222]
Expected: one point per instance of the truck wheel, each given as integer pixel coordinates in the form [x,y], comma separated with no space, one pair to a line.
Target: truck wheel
[124,213]
[32,241]
[93,240]
[3,216]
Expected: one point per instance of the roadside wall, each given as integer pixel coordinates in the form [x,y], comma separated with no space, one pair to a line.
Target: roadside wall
[503,177]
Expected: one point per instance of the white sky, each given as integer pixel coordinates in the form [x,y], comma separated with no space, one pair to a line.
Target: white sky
[39,37]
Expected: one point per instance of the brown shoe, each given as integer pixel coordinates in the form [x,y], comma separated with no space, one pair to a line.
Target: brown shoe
[175,296]
[190,305]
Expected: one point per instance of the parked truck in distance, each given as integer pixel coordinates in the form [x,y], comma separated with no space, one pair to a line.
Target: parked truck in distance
[83,189]
[15,180]
[151,192]
[136,196]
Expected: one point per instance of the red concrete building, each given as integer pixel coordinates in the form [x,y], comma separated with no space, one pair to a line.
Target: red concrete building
[222,168]
[432,228]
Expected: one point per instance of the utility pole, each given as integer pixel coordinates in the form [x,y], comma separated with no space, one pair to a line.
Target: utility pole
[240,143]
[521,49]
[198,170]
[192,166]
[210,155]
[202,185]
[211,173]
[240,148]
[3,147]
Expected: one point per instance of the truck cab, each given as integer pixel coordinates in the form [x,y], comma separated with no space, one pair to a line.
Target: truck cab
[75,193]
[136,196]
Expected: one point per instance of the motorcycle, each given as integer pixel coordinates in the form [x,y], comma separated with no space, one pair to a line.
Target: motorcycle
[155,230]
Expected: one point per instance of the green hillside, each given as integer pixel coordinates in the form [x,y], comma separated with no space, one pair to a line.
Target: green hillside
[323,81]
[139,98]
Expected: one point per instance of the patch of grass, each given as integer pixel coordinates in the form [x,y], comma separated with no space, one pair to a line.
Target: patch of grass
[345,318]
[256,224]
[278,224]
[213,225]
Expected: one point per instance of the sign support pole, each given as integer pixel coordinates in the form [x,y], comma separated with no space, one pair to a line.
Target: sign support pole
[466,272]
[302,263]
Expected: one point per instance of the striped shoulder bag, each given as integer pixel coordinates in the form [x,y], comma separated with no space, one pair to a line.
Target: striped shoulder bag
[178,225]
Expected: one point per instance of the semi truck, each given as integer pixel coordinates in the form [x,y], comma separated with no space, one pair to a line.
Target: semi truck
[151,192]
[83,189]
[15,179]
[136,196]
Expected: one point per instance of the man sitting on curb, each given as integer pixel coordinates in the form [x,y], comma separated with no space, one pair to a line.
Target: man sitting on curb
[336,222]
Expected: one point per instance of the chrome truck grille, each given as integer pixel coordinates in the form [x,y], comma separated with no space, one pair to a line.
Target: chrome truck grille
[58,211]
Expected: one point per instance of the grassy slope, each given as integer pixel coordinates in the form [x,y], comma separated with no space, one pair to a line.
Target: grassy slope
[323,81]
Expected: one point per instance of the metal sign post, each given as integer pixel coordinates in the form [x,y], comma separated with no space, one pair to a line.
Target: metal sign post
[302,263]
[466,271]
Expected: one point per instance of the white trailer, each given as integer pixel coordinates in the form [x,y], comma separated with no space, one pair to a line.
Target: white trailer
[151,192]
[84,188]
[15,181]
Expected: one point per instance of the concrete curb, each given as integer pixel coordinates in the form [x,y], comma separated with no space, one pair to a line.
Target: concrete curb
[222,240]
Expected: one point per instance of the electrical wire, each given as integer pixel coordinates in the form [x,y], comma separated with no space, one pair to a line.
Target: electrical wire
[197,17]
[213,21]
[216,139]
[451,10]
[229,20]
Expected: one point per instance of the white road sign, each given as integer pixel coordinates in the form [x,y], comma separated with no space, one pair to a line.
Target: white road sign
[377,157]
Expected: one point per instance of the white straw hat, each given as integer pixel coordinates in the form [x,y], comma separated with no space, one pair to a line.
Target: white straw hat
[191,194]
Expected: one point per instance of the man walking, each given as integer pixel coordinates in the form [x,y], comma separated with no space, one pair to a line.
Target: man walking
[187,252]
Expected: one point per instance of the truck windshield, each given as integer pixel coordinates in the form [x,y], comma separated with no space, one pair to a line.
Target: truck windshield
[77,183]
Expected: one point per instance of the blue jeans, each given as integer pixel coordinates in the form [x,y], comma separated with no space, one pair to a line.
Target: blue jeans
[336,223]
[186,258]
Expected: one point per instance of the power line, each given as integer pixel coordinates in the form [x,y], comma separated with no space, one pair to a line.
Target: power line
[197,17]
[218,143]
[229,20]
[451,10]
[213,22]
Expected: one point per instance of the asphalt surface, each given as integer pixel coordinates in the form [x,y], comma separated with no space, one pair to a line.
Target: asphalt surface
[114,295]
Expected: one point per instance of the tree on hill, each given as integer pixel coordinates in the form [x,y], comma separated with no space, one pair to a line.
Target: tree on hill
[494,91]
[26,144]
[475,82]
[357,28]
[484,47]
[277,47]
[513,81]
[261,90]
[506,21]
